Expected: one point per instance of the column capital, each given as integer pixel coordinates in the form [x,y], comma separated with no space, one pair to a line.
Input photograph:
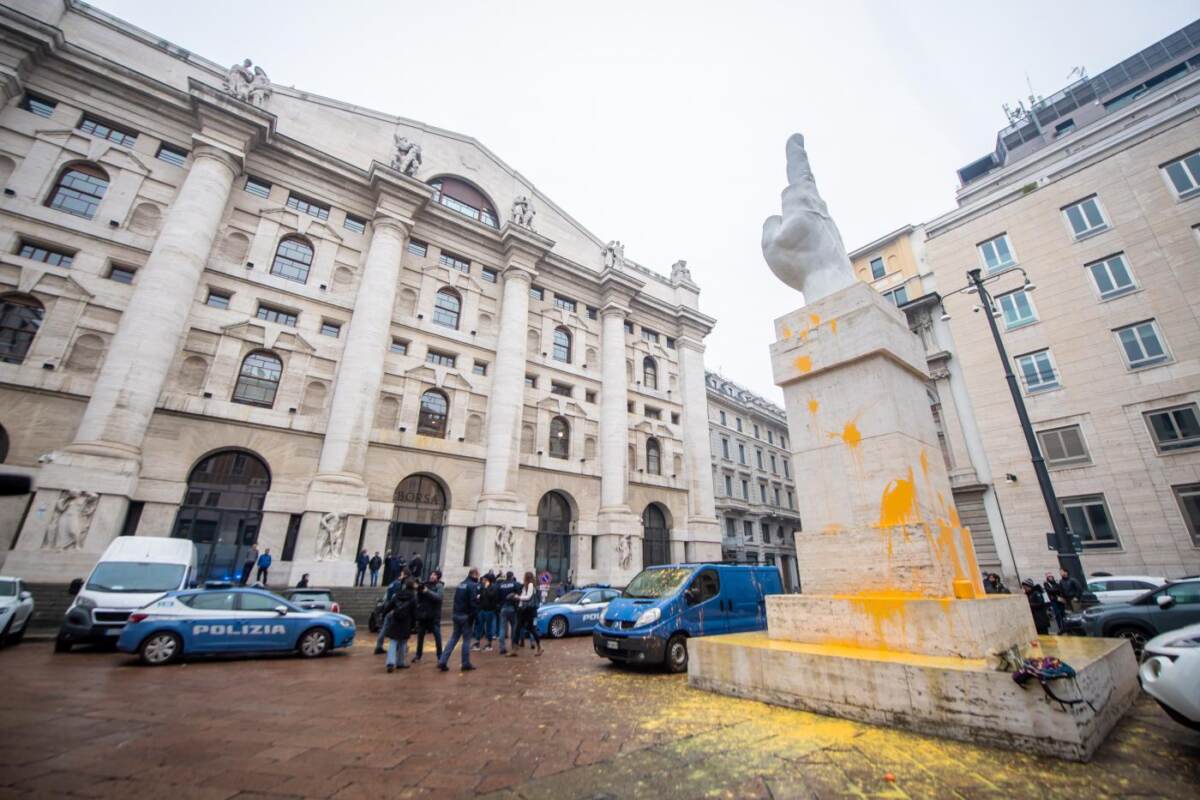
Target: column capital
[611,308]
[396,194]
[387,222]
[519,272]
[203,147]
[690,343]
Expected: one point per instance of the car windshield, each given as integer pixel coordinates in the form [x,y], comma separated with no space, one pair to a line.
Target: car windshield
[8,588]
[135,577]
[653,583]
[570,597]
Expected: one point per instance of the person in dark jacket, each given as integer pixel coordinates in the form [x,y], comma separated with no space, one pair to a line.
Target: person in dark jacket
[1038,605]
[466,608]
[429,613]
[416,566]
[527,606]
[361,573]
[1054,598]
[374,564]
[248,564]
[392,588]
[303,584]
[400,611]
[508,588]
[489,612]
[1072,592]
[993,585]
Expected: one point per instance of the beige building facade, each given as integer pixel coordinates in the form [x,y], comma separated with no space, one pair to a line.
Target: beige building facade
[244,314]
[755,489]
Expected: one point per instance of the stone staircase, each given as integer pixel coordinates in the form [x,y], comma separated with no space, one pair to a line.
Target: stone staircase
[50,603]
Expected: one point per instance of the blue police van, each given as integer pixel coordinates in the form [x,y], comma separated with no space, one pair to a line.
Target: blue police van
[664,606]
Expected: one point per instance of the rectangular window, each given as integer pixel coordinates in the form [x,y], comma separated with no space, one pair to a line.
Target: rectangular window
[333,329]
[730,526]
[488,274]
[1063,447]
[217,299]
[1174,429]
[649,335]
[787,469]
[776,496]
[729,487]
[561,389]
[628,327]
[1184,174]
[417,247]
[93,126]
[996,253]
[399,346]
[674,418]
[1112,276]
[565,303]
[722,413]
[592,313]
[589,396]
[738,420]
[1017,308]
[725,448]
[774,464]
[1188,496]
[1142,344]
[748,529]
[440,359]
[1037,371]
[770,436]
[257,187]
[756,432]
[172,155]
[877,269]
[741,454]
[47,255]
[290,539]
[652,413]
[670,343]
[537,293]
[272,314]
[745,489]
[1085,217]
[898,296]
[479,368]
[782,440]
[762,492]
[758,454]
[121,274]
[307,206]
[530,382]
[454,262]
[354,224]
[791,501]
[42,106]
[1088,518]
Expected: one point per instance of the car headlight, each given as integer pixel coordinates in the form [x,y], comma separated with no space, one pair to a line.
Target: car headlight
[346,623]
[648,617]
[85,603]
[1184,641]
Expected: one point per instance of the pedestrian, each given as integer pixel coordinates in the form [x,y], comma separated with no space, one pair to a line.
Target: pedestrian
[390,567]
[1054,597]
[466,608]
[527,606]
[392,589]
[303,584]
[416,565]
[489,612]
[248,564]
[1037,605]
[264,566]
[374,564]
[361,563]
[1072,592]
[993,585]
[508,588]
[400,611]
[429,613]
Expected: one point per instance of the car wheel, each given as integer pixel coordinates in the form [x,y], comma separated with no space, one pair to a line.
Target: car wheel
[16,638]
[160,648]
[558,627]
[677,654]
[315,642]
[1136,636]
[62,644]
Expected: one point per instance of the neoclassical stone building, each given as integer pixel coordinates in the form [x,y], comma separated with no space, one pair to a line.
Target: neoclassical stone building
[241,313]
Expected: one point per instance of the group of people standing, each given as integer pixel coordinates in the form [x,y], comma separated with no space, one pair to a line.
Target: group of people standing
[254,559]
[1054,596]
[491,608]
[392,565]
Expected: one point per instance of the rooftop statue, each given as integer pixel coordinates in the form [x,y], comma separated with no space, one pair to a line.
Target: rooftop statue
[406,157]
[248,83]
[523,212]
[803,247]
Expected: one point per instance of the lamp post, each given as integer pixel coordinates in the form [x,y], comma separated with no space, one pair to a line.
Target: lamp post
[1068,558]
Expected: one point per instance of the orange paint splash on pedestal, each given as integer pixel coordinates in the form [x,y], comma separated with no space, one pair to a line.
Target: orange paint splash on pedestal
[813,406]
[803,363]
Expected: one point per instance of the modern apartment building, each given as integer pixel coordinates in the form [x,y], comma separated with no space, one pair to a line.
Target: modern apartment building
[753,480]
[244,314]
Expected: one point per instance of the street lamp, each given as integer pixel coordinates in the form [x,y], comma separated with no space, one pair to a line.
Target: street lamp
[1068,557]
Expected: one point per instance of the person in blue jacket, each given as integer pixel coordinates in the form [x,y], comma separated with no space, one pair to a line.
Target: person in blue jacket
[466,608]
[264,565]
[360,574]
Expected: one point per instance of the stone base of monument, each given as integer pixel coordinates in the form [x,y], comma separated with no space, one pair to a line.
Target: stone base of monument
[959,698]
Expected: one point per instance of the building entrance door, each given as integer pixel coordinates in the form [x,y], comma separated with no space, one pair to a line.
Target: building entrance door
[418,514]
[222,512]
[656,538]
[552,551]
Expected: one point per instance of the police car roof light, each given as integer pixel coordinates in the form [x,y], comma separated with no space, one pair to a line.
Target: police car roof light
[218,585]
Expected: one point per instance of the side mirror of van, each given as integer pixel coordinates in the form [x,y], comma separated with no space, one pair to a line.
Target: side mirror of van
[74,587]
[26,596]
[281,610]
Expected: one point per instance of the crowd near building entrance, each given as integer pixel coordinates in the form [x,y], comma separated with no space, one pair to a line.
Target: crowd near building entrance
[222,511]
[553,549]
[418,519]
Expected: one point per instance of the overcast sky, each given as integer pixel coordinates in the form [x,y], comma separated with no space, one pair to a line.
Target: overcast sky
[662,124]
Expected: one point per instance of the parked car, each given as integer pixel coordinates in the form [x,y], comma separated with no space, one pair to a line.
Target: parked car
[16,609]
[664,606]
[1122,588]
[1170,673]
[242,620]
[576,611]
[1158,611]
[312,599]
[133,571]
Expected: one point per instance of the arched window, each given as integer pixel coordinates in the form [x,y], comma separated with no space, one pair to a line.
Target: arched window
[458,195]
[258,381]
[562,345]
[552,547]
[20,318]
[446,308]
[79,190]
[418,517]
[649,373]
[434,411]
[653,457]
[293,259]
[560,438]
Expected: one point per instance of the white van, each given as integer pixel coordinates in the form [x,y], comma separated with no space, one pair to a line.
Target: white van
[133,571]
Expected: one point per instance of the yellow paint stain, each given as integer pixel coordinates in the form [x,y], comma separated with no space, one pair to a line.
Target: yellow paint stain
[898,506]
[851,435]
[833,528]
[833,326]
[924,465]
[815,319]
[787,332]
[803,363]
[813,406]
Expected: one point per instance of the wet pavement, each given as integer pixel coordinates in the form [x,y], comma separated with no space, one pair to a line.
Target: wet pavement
[565,725]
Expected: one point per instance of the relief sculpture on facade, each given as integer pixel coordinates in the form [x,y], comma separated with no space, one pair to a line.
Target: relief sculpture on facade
[331,534]
[248,83]
[407,156]
[506,542]
[522,212]
[625,551]
[70,521]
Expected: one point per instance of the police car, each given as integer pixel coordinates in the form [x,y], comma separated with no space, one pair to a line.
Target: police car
[577,611]
[230,620]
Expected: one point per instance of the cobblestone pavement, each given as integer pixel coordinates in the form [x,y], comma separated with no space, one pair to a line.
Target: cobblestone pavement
[566,725]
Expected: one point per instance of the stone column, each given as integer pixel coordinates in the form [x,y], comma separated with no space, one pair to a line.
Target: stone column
[703,530]
[508,386]
[614,419]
